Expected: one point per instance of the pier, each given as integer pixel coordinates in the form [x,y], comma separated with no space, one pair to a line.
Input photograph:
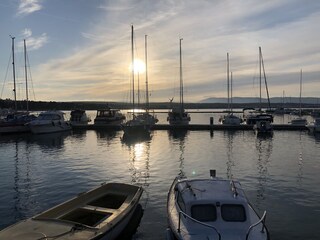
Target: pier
[194,127]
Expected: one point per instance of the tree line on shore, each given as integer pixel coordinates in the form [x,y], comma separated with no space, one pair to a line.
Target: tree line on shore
[92,105]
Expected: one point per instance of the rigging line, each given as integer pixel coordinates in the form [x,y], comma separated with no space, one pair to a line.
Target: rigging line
[5,78]
[34,96]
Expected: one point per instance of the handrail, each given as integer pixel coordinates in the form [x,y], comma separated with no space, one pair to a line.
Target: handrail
[262,219]
[195,220]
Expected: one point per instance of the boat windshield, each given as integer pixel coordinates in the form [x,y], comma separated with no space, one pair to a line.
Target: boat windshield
[233,213]
[204,212]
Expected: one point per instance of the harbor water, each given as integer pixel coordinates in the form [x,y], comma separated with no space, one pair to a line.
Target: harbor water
[279,173]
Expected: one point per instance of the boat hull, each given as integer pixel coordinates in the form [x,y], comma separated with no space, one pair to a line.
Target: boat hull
[182,227]
[102,213]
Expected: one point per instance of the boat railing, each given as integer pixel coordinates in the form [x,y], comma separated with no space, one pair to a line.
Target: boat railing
[262,220]
[196,221]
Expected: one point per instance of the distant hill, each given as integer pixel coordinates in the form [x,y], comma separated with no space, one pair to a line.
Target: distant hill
[241,100]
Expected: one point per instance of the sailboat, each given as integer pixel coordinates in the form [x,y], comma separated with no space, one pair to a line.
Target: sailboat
[178,115]
[299,121]
[149,119]
[135,127]
[260,120]
[229,119]
[16,121]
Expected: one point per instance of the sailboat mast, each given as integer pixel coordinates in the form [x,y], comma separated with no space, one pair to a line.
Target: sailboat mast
[146,61]
[260,62]
[132,66]
[26,73]
[228,82]
[14,75]
[181,81]
[300,93]
[231,93]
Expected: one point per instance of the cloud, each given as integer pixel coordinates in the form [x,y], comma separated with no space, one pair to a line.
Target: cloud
[27,7]
[33,43]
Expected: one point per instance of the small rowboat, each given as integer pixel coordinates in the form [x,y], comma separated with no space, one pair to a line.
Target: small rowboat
[102,213]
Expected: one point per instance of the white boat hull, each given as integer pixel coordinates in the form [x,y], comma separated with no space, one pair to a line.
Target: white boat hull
[184,228]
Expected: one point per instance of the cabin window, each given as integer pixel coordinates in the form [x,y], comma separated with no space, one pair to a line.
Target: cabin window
[181,203]
[233,213]
[204,212]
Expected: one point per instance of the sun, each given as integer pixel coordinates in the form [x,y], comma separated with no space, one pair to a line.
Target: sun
[138,66]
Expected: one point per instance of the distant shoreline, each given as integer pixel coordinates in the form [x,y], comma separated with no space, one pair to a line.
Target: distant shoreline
[88,105]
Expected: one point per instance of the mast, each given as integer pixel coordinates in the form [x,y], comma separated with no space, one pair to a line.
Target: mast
[231,93]
[132,66]
[181,81]
[26,73]
[261,67]
[260,62]
[146,61]
[300,93]
[14,75]
[228,82]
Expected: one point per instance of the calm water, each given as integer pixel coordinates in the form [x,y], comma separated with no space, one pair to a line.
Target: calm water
[280,174]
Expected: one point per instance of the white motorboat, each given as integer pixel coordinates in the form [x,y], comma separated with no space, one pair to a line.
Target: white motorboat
[314,126]
[102,213]
[212,208]
[49,122]
[79,118]
[109,117]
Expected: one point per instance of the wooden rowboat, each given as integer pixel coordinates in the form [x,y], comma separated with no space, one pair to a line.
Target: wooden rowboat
[102,213]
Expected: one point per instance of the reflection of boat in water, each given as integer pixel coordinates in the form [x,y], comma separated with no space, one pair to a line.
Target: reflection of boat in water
[79,118]
[102,213]
[49,122]
[109,117]
[49,140]
[212,208]
[314,127]
[136,136]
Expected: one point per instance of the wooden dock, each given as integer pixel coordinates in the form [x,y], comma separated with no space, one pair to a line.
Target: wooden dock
[194,127]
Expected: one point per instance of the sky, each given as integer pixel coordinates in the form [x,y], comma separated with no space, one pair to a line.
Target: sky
[80,50]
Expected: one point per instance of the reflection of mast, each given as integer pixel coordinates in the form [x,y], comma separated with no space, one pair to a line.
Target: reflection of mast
[230,162]
[264,148]
[140,165]
[21,183]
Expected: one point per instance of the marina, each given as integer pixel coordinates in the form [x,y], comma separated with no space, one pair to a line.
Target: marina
[279,173]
